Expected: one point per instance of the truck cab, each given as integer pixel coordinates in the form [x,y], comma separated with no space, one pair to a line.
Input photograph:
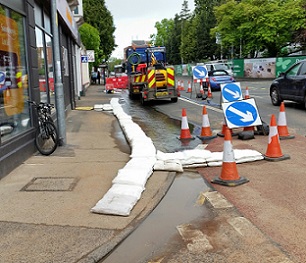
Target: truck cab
[150,78]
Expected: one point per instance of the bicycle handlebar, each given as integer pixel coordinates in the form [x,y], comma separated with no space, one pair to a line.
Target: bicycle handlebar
[41,104]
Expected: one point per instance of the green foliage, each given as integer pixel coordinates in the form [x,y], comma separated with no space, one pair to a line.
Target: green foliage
[97,15]
[259,25]
[90,37]
[164,29]
[112,62]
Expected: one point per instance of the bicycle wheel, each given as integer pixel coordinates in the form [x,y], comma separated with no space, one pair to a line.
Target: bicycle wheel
[46,138]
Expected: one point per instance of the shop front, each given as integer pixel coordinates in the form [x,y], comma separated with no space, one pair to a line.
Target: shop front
[27,72]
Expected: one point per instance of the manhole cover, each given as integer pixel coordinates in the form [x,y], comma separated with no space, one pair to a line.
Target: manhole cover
[51,184]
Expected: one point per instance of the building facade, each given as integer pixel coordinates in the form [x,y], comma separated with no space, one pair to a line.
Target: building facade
[27,70]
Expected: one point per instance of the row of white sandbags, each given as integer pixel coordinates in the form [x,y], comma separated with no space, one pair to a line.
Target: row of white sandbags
[200,158]
[130,181]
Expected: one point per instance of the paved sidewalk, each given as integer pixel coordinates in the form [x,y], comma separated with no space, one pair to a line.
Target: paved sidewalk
[45,202]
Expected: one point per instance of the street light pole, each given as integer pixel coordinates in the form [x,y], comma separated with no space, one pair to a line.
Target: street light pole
[59,90]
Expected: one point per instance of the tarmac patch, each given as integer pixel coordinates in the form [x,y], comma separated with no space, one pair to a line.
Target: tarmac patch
[51,184]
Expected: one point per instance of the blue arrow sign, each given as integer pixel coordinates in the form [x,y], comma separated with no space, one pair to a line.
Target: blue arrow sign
[231,92]
[241,113]
[84,59]
[199,72]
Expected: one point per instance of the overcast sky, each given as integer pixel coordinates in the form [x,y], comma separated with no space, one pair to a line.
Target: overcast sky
[135,19]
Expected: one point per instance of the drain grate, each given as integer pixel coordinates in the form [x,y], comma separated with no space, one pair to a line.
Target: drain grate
[51,184]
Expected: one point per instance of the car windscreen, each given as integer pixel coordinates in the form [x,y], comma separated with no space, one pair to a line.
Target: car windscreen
[218,73]
[221,66]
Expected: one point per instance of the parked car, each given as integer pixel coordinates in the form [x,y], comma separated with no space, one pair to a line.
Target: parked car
[218,77]
[290,85]
[219,65]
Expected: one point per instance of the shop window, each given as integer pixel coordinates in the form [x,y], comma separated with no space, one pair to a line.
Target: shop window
[14,110]
[45,56]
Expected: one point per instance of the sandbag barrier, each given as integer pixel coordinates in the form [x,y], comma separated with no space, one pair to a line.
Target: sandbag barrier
[130,181]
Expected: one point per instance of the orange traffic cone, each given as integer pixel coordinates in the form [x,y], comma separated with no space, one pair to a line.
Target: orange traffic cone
[189,87]
[247,95]
[209,94]
[282,124]
[224,126]
[206,133]
[182,85]
[274,152]
[185,133]
[201,87]
[229,173]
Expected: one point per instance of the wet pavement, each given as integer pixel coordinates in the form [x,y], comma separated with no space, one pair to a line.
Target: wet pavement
[181,205]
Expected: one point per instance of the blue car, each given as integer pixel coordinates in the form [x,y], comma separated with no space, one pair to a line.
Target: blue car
[218,77]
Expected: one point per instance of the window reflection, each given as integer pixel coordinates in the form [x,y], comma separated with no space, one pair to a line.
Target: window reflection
[14,112]
[45,66]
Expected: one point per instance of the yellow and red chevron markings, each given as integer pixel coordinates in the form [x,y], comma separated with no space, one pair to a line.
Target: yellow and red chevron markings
[140,78]
[151,78]
[170,73]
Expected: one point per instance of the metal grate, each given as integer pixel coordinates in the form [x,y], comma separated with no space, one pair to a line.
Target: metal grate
[51,184]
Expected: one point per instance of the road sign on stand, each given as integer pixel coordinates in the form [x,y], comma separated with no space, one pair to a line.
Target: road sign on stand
[199,72]
[231,92]
[241,113]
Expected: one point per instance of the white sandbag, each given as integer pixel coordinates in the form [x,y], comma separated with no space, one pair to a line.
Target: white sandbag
[145,171]
[195,165]
[247,154]
[171,165]
[141,140]
[140,162]
[121,116]
[200,161]
[115,204]
[195,156]
[107,107]
[132,178]
[215,157]
[123,189]
[114,101]
[145,168]
[196,153]
[143,150]
[98,107]
[169,156]
[214,163]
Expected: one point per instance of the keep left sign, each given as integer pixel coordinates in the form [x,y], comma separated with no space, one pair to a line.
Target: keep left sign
[231,91]
[241,113]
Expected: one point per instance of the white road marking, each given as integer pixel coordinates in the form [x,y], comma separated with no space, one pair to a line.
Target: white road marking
[201,105]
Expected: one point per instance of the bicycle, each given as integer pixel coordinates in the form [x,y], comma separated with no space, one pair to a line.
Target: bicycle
[46,135]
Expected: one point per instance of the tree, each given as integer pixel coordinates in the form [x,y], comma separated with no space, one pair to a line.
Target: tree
[204,21]
[186,33]
[90,37]
[97,15]
[174,55]
[259,25]
[164,29]
[189,45]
